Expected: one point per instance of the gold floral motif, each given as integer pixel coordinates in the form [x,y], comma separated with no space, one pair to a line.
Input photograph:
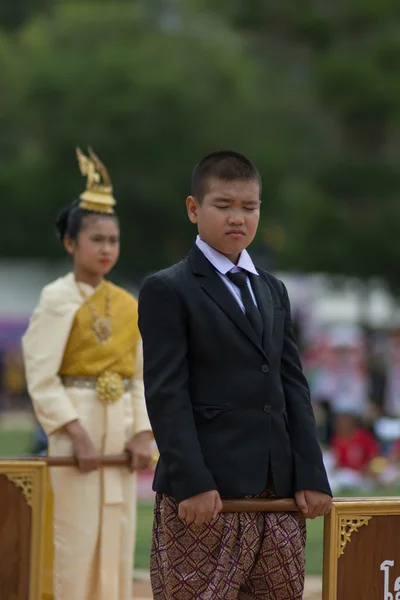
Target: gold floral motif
[347,527]
[24,482]
[110,387]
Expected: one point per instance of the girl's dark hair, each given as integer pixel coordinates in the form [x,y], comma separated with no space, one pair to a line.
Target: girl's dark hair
[70,220]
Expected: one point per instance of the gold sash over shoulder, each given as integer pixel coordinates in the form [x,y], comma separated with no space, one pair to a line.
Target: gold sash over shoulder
[85,357]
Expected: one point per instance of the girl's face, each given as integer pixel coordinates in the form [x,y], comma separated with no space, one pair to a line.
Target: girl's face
[96,249]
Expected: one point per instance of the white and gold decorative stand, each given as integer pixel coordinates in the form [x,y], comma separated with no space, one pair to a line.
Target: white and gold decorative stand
[22,506]
[362,550]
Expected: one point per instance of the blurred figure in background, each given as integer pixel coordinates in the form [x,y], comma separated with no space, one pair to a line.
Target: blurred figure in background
[353,449]
[14,385]
[40,442]
[324,419]
[2,395]
[349,376]
[83,358]
[392,392]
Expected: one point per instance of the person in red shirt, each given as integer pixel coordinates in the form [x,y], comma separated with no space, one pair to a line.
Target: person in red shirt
[353,448]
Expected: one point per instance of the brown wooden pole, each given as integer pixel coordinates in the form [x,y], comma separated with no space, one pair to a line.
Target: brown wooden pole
[260,505]
[105,461]
[121,460]
[117,460]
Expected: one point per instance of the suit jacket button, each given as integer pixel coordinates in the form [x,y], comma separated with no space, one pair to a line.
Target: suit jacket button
[265,368]
[267,409]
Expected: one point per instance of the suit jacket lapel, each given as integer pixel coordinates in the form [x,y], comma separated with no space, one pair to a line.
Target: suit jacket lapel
[212,284]
[263,296]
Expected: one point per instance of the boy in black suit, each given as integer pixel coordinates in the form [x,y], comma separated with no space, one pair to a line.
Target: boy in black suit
[229,406]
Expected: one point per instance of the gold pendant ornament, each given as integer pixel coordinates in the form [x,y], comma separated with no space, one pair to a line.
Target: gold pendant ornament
[110,387]
[101,326]
[102,329]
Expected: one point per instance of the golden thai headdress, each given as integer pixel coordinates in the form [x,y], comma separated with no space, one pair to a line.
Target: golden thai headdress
[98,196]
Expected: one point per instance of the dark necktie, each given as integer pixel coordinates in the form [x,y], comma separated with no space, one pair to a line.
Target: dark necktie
[251,310]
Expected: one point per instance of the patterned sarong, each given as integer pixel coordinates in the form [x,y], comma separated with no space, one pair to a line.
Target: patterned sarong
[239,556]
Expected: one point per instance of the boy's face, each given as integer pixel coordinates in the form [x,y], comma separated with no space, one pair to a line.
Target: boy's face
[228,216]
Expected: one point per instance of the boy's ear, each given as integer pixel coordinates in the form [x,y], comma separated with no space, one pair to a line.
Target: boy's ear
[192,207]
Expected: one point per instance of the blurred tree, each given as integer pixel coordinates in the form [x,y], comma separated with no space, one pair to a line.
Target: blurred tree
[345,216]
[14,13]
[151,98]
[310,91]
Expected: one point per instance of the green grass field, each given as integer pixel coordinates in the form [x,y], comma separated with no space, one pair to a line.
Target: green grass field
[19,442]
[15,442]
[143,538]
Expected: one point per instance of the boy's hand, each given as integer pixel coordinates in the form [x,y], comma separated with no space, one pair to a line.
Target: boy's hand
[201,508]
[313,504]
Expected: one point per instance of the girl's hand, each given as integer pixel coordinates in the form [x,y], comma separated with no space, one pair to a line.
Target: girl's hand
[140,448]
[84,450]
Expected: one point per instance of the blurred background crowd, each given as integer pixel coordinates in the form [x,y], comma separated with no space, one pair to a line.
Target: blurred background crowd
[310,91]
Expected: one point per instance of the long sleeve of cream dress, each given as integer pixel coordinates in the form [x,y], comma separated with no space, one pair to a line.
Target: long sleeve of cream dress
[43,347]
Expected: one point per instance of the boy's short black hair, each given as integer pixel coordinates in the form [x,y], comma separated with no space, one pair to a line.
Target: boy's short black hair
[223,164]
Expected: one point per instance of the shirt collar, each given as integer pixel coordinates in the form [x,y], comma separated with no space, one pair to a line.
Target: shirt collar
[221,263]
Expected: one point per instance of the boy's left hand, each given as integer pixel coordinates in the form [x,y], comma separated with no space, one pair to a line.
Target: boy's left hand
[313,503]
[140,448]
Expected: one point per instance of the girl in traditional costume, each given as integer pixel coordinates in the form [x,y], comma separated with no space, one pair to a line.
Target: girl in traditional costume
[83,360]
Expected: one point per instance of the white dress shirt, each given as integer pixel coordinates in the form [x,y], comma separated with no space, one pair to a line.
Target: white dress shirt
[223,265]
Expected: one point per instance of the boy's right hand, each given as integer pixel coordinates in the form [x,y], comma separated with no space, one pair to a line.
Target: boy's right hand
[84,450]
[201,508]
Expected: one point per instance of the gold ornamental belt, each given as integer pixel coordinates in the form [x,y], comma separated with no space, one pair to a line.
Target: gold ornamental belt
[109,386]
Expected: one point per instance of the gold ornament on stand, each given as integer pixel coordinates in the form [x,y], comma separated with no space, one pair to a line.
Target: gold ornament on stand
[98,196]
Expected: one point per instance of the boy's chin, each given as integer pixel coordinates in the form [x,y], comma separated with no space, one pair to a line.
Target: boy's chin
[233,247]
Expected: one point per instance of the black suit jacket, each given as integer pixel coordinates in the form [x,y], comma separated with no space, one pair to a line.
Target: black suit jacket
[224,407]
